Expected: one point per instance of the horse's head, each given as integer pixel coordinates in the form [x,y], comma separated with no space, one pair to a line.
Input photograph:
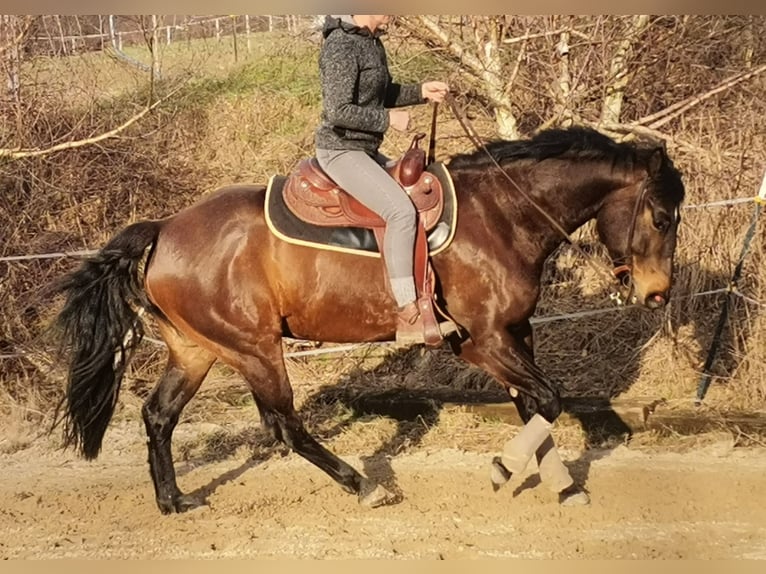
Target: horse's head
[638,225]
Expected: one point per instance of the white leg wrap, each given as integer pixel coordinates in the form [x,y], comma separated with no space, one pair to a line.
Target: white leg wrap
[552,471]
[518,450]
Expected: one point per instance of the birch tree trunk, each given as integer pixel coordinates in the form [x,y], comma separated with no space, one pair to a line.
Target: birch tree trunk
[234,37]
[14,33]
[619,71]
[57,19]
[748,43]
[155,48]
[11,55]
[247,31]
[563,88]
[79,31]
[480,54]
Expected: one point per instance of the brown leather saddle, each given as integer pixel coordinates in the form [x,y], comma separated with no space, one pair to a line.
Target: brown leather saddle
[315,198]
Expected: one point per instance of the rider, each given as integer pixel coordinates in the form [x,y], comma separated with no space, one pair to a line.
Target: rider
[358,105]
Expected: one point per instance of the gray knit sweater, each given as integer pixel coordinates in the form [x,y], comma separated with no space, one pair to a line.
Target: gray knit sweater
[356,88]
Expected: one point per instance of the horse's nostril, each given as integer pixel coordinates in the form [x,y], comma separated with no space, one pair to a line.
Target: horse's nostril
[656,300]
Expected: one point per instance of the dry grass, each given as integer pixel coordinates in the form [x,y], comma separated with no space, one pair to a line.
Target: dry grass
[246,121]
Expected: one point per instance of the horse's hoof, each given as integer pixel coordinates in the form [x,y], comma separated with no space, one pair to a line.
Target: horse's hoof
[374,495]
[498,474]
[179,504]
[573,496]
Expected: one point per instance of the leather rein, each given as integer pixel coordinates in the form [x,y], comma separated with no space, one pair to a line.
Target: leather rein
[618,272]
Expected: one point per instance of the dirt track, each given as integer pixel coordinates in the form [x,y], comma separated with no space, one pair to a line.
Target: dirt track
[708,503]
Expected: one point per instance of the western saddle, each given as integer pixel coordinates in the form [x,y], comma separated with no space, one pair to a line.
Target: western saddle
[315,198]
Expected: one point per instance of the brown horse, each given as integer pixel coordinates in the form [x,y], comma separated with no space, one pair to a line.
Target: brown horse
[221,286]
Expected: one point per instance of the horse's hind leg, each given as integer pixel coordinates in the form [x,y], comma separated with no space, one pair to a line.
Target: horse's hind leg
[266,375]
[186,368]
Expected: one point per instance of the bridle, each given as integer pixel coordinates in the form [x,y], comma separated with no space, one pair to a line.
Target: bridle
[621,272]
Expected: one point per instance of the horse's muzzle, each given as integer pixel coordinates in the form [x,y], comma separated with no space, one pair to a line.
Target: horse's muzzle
[630,292]
[656,300]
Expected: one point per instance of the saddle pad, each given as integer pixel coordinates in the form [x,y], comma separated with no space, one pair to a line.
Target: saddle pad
[360,241]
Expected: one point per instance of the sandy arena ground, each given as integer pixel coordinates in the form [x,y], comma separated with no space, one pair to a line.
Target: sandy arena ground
[706,503]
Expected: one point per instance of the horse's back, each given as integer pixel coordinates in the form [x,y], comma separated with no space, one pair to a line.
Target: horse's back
[216,219]
[235,200]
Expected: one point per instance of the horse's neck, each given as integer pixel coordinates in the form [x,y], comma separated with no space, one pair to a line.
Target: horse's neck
[570,196]
[569,192]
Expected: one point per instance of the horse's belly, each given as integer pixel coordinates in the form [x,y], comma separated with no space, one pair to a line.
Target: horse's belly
[350,328]
[334,297]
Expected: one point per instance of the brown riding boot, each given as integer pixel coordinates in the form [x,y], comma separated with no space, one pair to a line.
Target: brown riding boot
[410,329]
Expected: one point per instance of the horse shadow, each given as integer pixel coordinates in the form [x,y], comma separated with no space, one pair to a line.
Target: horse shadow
[596,359]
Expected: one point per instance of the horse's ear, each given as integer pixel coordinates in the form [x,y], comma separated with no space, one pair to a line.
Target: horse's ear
[656,159]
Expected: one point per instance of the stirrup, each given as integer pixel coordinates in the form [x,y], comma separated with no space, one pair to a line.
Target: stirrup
[413,332]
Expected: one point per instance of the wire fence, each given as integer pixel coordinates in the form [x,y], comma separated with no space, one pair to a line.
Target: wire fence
[86,252]
[66,35]
[730,289]
[534,321]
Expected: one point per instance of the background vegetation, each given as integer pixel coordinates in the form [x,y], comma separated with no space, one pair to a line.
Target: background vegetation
[204,112]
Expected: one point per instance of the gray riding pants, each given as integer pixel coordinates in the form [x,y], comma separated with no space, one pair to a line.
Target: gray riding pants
[365,179]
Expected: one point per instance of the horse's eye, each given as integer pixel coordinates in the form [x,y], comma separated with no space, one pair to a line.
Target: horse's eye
[661,223]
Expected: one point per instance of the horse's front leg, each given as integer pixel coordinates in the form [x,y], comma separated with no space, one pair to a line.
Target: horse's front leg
[508,358]
[553,473]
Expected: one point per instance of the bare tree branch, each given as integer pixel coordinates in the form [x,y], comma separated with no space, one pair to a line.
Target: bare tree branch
[454,46]
[663,116]
[19,153]
[526,37]
[627,132]
[516,68]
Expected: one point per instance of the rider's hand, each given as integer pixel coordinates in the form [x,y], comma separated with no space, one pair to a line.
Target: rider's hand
[399,119]
[434,91]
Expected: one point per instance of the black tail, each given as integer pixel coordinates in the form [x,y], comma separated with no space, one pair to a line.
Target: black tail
[100,328]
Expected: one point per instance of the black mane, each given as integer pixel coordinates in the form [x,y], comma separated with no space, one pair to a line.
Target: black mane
[576,143]
[572,143]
